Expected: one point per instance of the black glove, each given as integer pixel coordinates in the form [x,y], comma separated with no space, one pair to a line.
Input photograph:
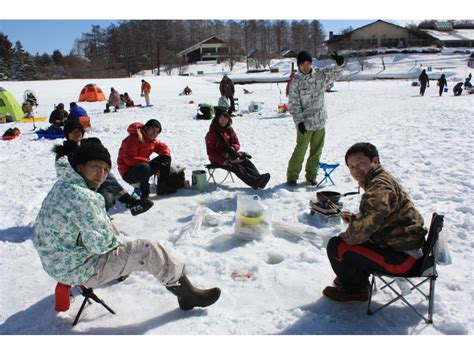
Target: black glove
[338,58]
[302,128]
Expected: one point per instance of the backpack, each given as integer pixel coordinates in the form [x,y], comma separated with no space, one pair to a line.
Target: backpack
[174,181]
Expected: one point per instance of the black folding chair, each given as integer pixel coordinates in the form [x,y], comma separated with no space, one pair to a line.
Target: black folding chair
[211,168]
[423,271]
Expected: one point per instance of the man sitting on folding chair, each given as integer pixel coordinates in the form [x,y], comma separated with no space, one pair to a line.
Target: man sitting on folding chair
[385,236]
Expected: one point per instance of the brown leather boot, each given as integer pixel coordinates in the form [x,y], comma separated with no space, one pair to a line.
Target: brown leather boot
[340,294]
[190,297]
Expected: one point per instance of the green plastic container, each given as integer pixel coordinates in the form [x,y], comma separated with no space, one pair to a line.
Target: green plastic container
[199,180]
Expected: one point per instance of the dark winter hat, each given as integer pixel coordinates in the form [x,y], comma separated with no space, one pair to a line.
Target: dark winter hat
[90,151]
[70,126]
[72,105]
[153,123]
[60,106]
[302,57]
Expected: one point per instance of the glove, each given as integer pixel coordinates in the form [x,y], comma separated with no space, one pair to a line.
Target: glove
[338,58]
[302,128]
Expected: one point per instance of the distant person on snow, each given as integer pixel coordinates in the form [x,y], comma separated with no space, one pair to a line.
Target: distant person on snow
[145,91]
[113,101]
[467,83]
[78,244]
[457,89]
[134,163]
[128,100]
[306,105]
[187,91]
[288,84]
[58,117]
[386,235]
[76,112]
[223,147]
[111,189]
[424,82]
[442,83]
[227,90]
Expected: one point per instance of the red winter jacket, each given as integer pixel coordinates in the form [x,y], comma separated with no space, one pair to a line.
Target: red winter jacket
[133,152]
[215,148]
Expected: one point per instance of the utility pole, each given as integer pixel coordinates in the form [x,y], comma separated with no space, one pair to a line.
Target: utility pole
[158,58]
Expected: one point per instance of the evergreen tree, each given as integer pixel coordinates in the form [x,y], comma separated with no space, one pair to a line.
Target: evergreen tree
[22,64]
[57,57]
[4,70]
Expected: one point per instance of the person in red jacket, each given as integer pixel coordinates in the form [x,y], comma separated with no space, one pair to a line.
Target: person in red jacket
[223,147]
[134,163]
[146,89]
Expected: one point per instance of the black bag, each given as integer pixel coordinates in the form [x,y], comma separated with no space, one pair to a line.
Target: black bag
[174,181]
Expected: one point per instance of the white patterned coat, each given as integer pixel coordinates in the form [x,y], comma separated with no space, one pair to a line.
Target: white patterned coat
[72,228]
[306,99]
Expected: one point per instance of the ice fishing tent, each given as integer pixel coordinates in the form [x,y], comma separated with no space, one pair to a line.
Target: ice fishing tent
[91,93]
[10,106]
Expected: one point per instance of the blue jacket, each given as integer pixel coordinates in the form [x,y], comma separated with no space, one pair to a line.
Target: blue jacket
[77,112]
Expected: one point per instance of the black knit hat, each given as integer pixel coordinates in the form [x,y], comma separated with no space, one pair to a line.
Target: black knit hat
[91,151]
[70,126]
[153,123]
[302,57]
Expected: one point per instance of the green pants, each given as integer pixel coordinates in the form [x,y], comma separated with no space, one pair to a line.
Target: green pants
[315,140]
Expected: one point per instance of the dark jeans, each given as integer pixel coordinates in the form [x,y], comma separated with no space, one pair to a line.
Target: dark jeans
[110,190]
[354,263]
[246,171]
[422,89]
[142,173]
[441,89]
[232,105]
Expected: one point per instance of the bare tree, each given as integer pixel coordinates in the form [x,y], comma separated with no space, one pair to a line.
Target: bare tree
[361,56]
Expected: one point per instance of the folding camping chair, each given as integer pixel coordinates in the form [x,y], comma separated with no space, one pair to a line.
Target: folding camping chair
[211,168]
[424,270]
[328,169]
[62,299]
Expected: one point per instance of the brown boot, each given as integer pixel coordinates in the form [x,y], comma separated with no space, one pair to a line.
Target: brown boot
[190,297]
[342,295]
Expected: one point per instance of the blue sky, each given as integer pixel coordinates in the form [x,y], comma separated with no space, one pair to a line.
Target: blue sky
[48,35]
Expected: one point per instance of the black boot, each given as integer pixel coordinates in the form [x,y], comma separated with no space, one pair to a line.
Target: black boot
[190,297]
[136,206]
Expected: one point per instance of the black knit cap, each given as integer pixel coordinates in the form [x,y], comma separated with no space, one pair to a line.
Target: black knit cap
[91,151]
[153,123]
[302,57]
[70,126]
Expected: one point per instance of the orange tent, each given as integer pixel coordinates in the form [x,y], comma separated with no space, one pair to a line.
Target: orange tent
[91,93]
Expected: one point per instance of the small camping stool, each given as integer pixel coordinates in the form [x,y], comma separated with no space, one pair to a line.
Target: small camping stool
[89,295]
[424,270]
[328,169]
[211,168]
[62,300]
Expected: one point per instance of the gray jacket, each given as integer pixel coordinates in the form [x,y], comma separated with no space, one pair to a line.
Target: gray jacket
[306,99]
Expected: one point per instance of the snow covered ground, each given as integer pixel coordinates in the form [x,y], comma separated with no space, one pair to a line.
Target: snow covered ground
[426,142]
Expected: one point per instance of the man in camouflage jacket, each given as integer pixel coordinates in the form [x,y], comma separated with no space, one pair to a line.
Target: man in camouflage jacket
[306,105]
[385,236]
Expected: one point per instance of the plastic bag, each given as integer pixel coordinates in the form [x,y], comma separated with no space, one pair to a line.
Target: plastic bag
[443,257]
[252,218]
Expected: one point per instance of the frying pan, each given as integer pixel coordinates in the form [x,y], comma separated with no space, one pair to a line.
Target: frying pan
[332,196]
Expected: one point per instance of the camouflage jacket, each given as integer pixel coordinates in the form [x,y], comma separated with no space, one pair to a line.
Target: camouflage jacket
[306,99]
[387,216]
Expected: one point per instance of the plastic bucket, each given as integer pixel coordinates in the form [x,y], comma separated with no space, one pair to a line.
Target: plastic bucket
[445,89]
[199,180]
[251,220]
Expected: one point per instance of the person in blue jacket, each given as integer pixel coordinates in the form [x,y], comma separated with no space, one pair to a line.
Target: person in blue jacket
[75,112]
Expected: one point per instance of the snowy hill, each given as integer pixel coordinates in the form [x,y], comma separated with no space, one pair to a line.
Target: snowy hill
[426,142]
